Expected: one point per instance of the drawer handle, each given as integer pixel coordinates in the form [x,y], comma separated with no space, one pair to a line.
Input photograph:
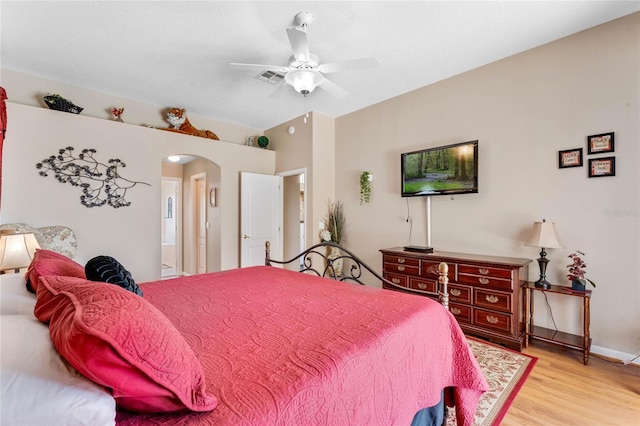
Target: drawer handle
[492,320]
[456,311]
[395,280]
[400,268]
[455,292]
[483,271]
[400,260]
[483,280]
[422,286]
[491,299]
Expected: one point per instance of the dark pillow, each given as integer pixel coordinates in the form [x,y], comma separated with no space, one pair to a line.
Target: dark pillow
[109,270]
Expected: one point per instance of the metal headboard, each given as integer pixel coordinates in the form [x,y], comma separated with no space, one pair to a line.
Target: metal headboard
[328,268]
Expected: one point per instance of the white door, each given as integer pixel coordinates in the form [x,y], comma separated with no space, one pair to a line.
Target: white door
[260,217]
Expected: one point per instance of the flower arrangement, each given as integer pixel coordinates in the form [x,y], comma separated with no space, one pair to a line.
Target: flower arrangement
[577,269]
[117,113]
[334,223]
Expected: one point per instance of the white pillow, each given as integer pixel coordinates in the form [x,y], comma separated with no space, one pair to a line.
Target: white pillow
[38,387]
[14,297]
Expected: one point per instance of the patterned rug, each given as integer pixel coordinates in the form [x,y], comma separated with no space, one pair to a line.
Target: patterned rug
[506,372]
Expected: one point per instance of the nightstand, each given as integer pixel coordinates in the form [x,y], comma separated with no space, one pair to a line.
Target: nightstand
[581,343]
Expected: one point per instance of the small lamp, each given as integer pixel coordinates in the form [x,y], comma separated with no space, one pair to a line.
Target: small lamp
[543,235]
[16,250]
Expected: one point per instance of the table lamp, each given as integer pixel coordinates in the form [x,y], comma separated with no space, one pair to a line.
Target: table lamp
[543,235]
[16,250]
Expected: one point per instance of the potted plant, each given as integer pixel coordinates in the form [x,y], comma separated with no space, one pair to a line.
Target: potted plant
[577,271]
[365,187]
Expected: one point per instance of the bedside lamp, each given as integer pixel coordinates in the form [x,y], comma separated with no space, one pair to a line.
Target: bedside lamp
[543,235]
[16,250]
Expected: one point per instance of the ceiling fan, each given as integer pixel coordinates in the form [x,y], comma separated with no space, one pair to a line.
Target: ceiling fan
[305,72]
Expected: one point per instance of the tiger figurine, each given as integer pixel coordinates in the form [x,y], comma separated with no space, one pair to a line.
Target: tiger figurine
[177,117]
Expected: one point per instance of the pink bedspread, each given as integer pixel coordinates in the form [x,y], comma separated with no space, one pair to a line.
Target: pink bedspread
[284,348]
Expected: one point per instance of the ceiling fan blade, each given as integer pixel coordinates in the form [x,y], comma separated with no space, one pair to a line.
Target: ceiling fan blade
[333,89]
[299,44]
[351,65]
[253,67]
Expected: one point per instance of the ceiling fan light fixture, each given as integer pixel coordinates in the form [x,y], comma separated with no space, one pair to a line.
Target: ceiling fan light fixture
[304,81]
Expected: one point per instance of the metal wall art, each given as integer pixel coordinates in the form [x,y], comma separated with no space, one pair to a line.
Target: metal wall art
[101,183]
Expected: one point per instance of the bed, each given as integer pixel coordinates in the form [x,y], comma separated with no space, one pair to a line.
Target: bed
[258,345]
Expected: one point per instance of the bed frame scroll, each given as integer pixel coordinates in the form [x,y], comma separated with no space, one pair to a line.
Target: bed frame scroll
[326,266]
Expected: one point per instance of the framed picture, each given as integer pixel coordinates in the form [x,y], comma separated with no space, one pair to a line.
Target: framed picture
[598,144]
[599,167]
[570,158]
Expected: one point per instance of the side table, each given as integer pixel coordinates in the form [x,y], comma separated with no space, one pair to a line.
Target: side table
[582,343]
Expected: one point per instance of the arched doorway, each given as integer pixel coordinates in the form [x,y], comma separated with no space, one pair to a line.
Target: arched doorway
[195,215]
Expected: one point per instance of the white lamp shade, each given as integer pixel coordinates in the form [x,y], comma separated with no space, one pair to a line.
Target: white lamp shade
[544,235]
[304,80]
[17,250]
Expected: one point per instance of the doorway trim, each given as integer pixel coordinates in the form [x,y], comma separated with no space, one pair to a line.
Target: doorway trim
[297,172]
[179,219]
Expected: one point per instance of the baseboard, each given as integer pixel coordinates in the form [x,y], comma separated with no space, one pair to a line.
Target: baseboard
[616,355]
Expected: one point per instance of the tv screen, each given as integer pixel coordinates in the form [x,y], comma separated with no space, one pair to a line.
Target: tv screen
[443,170]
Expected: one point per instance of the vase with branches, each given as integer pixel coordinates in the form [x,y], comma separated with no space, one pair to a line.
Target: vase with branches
[334,224]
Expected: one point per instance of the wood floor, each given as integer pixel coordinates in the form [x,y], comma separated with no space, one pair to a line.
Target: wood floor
[562,391]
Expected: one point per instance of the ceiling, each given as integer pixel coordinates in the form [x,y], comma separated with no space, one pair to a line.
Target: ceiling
[177,53]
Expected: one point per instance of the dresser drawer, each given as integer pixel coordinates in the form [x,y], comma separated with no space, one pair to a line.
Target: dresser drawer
[420,284]
[485,271]
[460,293]
[492,300]
[398,280]
[402,269]
[430,269]
[401,260]
[461,312]
[492,319]
[485,282]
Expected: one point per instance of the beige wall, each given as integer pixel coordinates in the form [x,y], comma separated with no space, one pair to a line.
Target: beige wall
[523,110]
[310,147]
[131,234]
[29,89]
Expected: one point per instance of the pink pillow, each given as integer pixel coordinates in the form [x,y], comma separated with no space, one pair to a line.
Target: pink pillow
[48,287]
[47,262]
[121,341]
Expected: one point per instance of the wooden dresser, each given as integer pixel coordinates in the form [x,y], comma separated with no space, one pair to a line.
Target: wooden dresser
[485,292]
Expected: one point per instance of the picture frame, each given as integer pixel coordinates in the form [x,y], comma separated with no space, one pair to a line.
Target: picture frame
[570,158]
[213,197]
[602,143]
[601,167]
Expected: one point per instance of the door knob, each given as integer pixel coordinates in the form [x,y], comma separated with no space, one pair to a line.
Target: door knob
[245,236]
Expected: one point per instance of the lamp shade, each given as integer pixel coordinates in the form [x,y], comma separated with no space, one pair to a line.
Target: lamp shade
[17,249]
[544,235]
[304,80]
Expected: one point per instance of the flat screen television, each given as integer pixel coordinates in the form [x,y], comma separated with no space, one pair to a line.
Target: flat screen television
[442,170]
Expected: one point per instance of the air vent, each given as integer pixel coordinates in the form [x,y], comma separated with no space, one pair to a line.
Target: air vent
[270,77]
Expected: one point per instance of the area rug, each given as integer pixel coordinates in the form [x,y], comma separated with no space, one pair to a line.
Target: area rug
[506,372]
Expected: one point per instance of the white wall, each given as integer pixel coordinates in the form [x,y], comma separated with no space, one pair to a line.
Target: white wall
[523,110]
[130,234]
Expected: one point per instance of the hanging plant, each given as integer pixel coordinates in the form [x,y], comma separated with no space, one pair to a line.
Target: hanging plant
[365,187]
